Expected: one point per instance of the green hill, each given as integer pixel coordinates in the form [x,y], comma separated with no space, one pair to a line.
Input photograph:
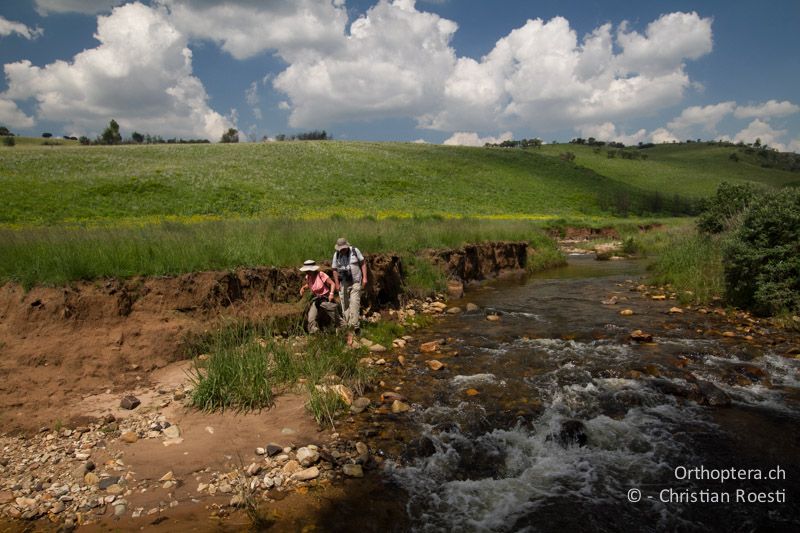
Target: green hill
[690,169]
[50,185]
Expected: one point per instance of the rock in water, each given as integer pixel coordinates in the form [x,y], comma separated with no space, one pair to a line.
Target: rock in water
[493,318]
[359,405]
[471,307]
[454,310]
[351,470]
[434,365]
[641,336]
[400,407]
[571,432]
[428,347]
[130,402]
[626,312]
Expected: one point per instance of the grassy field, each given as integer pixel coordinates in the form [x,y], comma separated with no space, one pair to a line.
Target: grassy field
[102,184]
[687,169]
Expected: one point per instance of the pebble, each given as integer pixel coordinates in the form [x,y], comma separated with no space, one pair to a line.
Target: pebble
[307,457]
[261,451]
[130,402]
[129,437]
[377,348]
[400,407]
[626,312]
[274,449]
[454,310]
[352,470]
[427,347]
[471,307]
[493,318]
[237,500]
[91,479]
[307,474]
[254,469]
[172,432]
[290,467]
[675,310]
[359,405]
[434,365]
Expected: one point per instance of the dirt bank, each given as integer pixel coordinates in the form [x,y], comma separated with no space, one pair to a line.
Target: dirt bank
[59,345]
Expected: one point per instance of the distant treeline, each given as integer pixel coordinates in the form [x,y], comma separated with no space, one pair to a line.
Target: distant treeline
[315,135]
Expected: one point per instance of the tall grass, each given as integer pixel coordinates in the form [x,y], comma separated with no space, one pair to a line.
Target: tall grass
[690,262]
[244,366]
[56,256]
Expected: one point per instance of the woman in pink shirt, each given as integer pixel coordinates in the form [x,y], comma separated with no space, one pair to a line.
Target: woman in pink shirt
[322,290]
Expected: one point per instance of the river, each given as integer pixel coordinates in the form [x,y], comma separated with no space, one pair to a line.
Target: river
[553,419]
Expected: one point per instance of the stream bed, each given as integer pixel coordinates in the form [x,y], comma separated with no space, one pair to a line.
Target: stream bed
[553,419]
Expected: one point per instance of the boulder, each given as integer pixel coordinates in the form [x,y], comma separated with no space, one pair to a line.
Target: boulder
[129,402]
[640,336]
[307,457]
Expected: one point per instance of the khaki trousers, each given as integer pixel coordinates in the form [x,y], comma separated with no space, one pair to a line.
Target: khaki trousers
[350,296]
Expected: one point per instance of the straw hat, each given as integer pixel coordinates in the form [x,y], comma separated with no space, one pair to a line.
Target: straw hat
[309,266]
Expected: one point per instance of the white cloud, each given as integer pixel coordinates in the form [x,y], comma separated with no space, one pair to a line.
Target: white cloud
[794,146]
[393,63]
[140,74]
[87,7]
[607,131]
[662,135]
[769,109]
[420,141]
[704,118]
[758,129]
[245,28]
[7,27]
[464,138]
[541,75]
[12,117]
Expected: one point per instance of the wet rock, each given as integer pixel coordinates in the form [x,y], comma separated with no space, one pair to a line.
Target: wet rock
[675,310]
[455,289]
[399,343]
[400,407]
[130,402]
[626,312]
[659,297]
[493,318]
[428,347]
[389,397]
[420,447]
[307,457]
[471,392]
[641,336]
[712,395]
[454,310]
[435,365]
[471,308]
[352,470]
[610,301]
[359,405]
[306,474]
[571,432]
[402,360]
[728,334]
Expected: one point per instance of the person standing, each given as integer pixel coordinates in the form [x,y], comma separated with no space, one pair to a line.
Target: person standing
[322,305]
[350,277]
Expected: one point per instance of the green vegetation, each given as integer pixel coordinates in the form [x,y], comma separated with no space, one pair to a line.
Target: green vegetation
[58,255]
[762,255]
[300,180]
[243,366]
[693,170]
[724,209]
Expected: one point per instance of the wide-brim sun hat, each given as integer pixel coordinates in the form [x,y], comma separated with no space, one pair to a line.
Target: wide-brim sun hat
[341,242]
[309,266]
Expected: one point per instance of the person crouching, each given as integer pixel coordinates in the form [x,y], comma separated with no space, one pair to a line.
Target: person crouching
[322,289]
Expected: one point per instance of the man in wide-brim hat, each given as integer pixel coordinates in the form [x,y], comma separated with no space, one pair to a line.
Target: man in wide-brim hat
[350,276]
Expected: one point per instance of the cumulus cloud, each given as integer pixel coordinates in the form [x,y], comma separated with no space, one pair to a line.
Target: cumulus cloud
[662,135]
[12,116]
[758,129]
[540,74]
[607,131]
[769,109]
[87,7]
[7,27]
[394,62]
[464,138]
[704,118]
[252,99]
[245,28]
[140,74]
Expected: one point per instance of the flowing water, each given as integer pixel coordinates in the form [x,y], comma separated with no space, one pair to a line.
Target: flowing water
[552,418]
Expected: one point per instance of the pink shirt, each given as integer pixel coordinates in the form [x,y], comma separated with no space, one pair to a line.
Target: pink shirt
[318,284]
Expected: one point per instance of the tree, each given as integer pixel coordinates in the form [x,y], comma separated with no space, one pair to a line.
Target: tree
[111,134]
[230,136]
[5,131]
[137,137]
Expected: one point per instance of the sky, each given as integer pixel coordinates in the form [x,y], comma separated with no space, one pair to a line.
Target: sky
[437,71]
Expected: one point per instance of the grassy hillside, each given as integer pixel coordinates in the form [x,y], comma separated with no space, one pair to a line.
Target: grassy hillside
[51,185]
[688,169]
[40,141]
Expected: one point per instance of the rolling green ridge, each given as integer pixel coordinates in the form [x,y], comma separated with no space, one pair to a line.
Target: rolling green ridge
[101,184]
[693,169]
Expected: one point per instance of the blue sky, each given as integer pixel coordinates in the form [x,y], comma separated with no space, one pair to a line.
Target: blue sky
[453,71]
